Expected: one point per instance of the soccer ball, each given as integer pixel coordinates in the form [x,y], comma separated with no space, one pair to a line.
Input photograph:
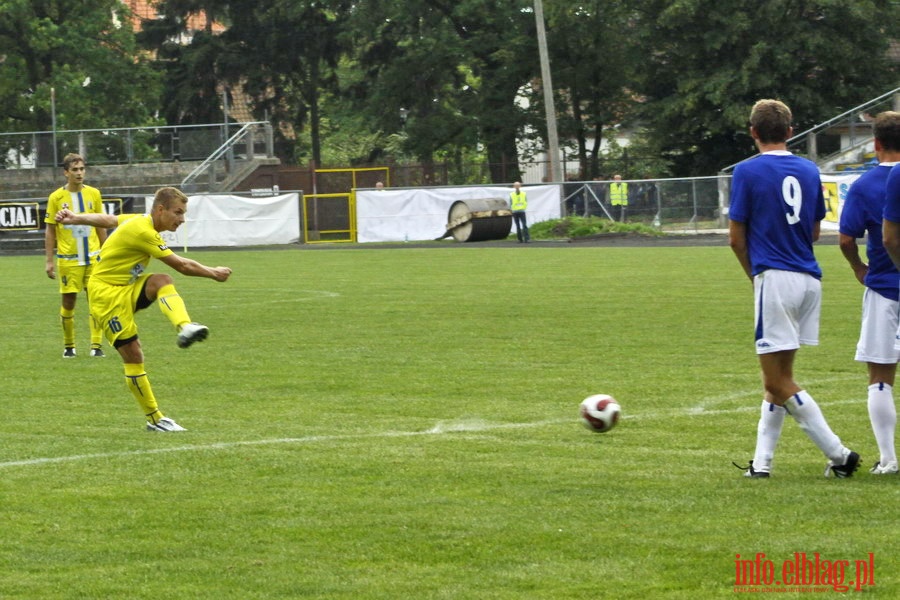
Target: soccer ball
[600,412]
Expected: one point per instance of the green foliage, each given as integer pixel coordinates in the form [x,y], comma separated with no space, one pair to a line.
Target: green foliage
[87,54]
[638,160]
[593,64]
[334,74]
[454,67]
[383,424]
[710,61]
[580,227]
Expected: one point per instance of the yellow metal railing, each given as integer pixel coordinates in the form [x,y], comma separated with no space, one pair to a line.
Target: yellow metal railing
[312,225]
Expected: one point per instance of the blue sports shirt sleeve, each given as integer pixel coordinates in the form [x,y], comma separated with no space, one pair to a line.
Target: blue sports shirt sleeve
[892,196]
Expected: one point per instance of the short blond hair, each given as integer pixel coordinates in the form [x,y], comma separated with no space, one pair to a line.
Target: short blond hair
[167,195]
[772,121]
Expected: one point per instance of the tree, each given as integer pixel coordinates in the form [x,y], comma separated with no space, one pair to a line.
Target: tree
[283,53]
[186,60]
[707,61]
[411,80]
[498,39]
[289,67]
[457,67]
[86,53]
[593,66]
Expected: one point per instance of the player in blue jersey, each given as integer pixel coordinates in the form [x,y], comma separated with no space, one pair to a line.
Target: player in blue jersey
[891,225]
[861,215]
[776,206]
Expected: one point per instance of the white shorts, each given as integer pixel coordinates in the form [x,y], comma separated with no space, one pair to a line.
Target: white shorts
[786,312]
[880,319]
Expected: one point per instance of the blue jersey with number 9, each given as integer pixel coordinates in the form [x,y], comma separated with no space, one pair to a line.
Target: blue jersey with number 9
[779,198]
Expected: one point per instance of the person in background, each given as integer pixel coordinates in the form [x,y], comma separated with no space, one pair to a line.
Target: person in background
[72,250]
[776,208]
[618,194]
[862,216]
[121,286]
[518,201]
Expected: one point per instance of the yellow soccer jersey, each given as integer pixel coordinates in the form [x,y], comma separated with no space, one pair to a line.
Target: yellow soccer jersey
[128,250]
[75,244]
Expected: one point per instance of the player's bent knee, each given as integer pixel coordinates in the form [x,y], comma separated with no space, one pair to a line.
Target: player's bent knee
[154,283]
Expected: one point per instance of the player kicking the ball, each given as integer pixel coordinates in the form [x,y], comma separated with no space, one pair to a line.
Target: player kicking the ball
[120,286]
[776,208]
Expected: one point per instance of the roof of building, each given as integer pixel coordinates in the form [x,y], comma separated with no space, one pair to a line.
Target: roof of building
[145,10]
[148,10]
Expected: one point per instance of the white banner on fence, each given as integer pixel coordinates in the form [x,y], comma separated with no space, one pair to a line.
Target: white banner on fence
[418,214]
[225,220]
[835,187]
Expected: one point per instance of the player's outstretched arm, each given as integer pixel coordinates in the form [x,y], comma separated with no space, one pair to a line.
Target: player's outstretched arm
[67,217]
[192,268]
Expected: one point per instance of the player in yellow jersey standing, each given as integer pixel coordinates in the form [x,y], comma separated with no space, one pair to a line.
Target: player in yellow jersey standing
[73,250]
[121,286]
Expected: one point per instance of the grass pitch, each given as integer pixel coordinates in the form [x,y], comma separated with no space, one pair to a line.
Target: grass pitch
[402,423]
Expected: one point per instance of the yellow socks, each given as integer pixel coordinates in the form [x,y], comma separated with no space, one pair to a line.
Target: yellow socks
[139,385]
[96,333]
[171,305]
[67,318]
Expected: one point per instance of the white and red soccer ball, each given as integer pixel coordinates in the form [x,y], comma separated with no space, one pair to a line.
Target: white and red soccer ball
[600,412]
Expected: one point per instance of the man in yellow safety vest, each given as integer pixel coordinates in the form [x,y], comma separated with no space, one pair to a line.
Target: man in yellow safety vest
[618,194]
[519,203]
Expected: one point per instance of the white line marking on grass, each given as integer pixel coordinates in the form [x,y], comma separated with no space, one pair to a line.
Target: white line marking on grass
[705,404]
[439,429]
[303,295]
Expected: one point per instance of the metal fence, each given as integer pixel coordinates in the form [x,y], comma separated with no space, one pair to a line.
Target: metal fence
[838,138]
[670,204]
[130,145]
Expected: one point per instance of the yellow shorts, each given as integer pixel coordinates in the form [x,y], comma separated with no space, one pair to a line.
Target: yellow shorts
[113,307]
[72,277]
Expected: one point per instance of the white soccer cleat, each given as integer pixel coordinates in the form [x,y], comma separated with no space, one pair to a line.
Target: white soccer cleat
[164,424]
[889,469]
[190,333]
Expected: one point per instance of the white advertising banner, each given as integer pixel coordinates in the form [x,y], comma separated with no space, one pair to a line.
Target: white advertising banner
[835,188]
[226,220]
[418,214]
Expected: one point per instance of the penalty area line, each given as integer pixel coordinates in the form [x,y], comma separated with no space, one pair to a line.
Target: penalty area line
[472,425]
[444,427]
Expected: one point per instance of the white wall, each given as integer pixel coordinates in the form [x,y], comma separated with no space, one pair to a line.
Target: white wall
[225,220]
[418,214]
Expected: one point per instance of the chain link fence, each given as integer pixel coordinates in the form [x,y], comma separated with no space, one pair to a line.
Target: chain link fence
[693,203]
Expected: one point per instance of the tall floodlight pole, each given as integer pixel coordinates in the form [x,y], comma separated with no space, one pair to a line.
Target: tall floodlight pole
[547,84]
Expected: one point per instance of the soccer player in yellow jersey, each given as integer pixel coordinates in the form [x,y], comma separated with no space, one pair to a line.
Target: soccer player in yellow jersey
[121,286]
[73,250]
